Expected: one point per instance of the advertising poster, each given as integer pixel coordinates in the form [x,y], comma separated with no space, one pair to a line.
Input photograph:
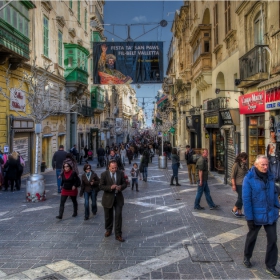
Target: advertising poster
[17,100]
[20,145]
[127,62]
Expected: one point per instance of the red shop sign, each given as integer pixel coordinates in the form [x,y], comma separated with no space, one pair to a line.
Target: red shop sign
[252,103]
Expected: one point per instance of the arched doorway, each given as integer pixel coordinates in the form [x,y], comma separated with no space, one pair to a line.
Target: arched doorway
[220,81]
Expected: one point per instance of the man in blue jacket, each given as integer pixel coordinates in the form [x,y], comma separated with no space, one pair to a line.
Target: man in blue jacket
[261,207]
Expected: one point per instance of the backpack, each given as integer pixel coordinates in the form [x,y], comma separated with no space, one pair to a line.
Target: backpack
[195,157]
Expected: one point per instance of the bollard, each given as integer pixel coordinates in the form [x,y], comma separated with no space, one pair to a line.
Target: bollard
[35,188]
[162,162]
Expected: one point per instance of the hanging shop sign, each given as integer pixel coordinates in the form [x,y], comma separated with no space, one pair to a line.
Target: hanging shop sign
[212,120]
[272,99]
[127,62]
[252,103]
[17,100]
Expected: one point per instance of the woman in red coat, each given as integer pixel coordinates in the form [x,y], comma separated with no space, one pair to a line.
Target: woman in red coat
[70,181]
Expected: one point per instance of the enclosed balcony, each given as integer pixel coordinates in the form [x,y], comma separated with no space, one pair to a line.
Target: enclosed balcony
[76,68]
[253,66]
[97,99]
[14,32]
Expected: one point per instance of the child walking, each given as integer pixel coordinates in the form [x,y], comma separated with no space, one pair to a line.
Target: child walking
[134,176]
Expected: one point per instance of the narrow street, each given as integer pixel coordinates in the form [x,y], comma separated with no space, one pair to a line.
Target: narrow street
[165,237]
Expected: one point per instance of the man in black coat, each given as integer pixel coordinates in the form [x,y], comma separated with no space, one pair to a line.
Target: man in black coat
[112,182]
[57,161]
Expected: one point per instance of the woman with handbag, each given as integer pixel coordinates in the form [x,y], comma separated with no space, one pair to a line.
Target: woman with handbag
[175,166]
[70,182]
[89,189]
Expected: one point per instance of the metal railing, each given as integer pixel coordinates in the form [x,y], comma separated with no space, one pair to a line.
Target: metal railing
[85,111]
[253,62]
[217,104]
[195,111]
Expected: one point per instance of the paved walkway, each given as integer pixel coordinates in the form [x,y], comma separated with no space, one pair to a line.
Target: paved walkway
[165,237]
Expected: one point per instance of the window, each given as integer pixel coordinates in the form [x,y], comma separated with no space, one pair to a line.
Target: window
[71,4]
[227,16]
[46,36]
[216,31]
[85,20]
[79,11]
[60,48]
[258,30]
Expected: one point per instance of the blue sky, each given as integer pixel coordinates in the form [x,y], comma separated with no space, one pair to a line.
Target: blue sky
[145,12]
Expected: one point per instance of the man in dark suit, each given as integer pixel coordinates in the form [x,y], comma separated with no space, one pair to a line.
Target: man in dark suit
[112,182]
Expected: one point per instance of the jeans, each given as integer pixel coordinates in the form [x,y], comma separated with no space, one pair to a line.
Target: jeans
[274,167]
[175,169]
[123,159]
[93,196]
[200,189]
[145,173]
[58,180]
[239,202]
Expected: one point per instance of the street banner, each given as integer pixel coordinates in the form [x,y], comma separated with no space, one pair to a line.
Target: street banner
[127,62]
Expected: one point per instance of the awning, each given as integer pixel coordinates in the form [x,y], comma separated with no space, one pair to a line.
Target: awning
[47,135]
[61,133]
[269,82]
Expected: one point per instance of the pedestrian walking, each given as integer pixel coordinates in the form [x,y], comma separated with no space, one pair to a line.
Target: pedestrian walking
[123,154]
[261,207]
[152,153]
[70,182]
[145,163]
[72,162]
[190,163]
[57,162]
[75,152]
[112,182]
[10,172]
[202,184]
[89,189]
[130,154]
[175,166]
[82,155]
[239,170]
[134,176]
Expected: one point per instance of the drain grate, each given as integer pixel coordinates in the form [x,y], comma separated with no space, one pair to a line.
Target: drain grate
[52,277]
[208,252]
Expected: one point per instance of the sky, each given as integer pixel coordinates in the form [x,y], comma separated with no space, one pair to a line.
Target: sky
[149,13]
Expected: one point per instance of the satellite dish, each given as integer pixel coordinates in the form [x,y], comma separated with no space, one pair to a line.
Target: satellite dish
[163,23]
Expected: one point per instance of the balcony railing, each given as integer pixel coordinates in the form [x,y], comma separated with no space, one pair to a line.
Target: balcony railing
[253,62]
[217,104]
[85,111]
[195,111]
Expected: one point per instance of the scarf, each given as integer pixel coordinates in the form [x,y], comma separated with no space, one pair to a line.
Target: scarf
[88,174]
[67,174]
[262,176]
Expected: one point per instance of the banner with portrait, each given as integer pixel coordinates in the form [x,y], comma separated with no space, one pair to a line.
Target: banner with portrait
[127,62]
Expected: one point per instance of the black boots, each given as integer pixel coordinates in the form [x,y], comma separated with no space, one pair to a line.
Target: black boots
[176,179]
[171,181]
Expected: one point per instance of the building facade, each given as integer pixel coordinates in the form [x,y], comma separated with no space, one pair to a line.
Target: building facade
[224,66]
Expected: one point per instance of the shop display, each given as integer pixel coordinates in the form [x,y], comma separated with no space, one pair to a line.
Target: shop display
[219,156]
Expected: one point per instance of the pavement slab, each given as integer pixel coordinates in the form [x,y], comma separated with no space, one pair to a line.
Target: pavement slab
[165,237]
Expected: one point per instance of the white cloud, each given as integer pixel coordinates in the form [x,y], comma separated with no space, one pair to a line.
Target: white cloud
[140,19]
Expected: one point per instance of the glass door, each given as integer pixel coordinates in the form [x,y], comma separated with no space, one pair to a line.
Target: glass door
[219,158]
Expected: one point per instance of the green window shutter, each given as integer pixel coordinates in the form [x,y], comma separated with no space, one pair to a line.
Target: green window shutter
[46,36]
[85,20]
[60,53]
[79,11]
[71,4]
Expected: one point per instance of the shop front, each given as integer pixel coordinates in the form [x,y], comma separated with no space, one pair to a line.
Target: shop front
[272,104]
[252,105]
[61,136]
[231,135]
[212,124]
[194,126]
[46,148]
[22,133]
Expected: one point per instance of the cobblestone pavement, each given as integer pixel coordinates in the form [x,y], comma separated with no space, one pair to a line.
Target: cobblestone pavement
[165,237]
